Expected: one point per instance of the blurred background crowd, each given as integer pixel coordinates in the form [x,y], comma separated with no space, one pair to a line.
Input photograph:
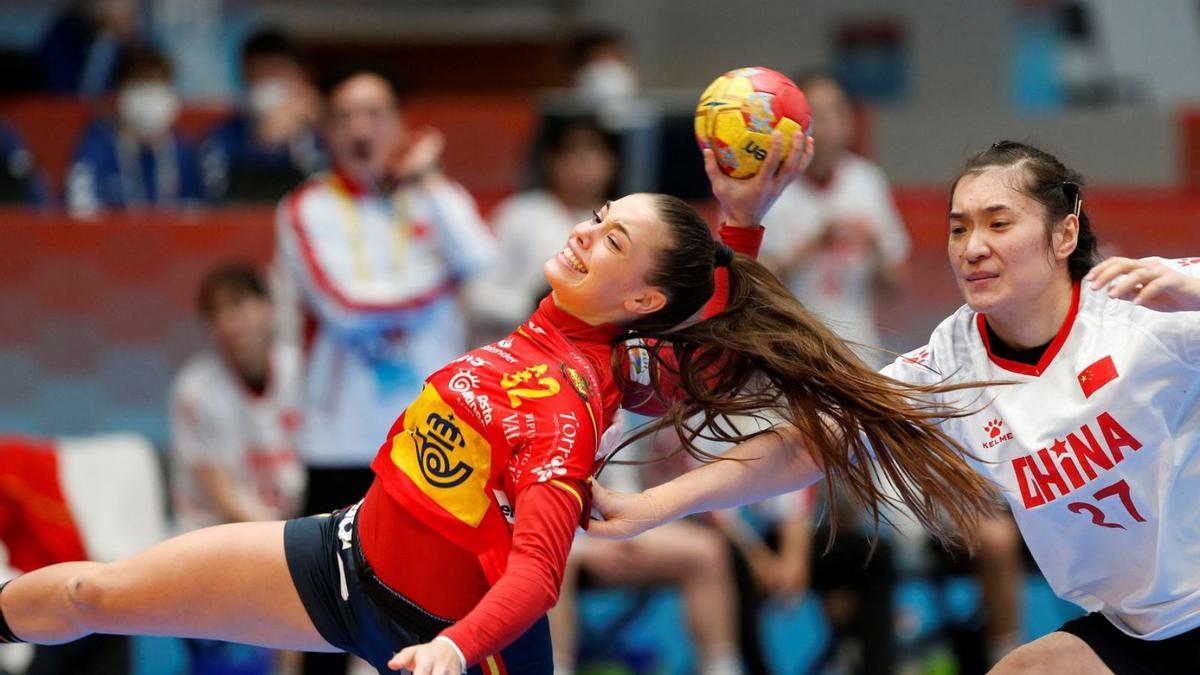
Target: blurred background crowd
[236,234]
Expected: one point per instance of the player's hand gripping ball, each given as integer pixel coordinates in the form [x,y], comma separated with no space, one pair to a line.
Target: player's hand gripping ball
[739,111]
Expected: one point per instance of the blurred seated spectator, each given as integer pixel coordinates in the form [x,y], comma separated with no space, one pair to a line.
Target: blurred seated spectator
[86,42]
[135,160]
[235,410]
[21,181]
[577,166]
[270,145]
[686,555]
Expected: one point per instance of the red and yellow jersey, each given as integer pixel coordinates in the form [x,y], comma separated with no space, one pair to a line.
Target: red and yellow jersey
[528,409]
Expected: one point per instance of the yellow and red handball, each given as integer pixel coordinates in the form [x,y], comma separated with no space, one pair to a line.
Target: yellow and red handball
[740,110]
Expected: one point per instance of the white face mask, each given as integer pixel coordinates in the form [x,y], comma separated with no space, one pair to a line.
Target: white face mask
[148,108]
[606,79]
[265,96]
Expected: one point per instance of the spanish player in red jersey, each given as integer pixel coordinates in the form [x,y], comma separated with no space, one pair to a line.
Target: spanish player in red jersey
[453,557]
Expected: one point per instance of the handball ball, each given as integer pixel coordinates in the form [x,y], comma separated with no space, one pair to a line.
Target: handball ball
[738,112]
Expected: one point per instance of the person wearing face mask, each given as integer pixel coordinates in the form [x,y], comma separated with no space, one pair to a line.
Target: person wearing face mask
[135,160]
[271,143]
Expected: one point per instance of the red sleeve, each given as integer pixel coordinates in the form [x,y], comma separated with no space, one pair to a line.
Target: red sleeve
[542,536]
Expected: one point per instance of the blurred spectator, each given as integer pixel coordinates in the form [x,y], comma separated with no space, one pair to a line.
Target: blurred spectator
[235,411]
[270,144]
[684,554]
[371,252]
[772,545]
[135,160]
[603,68]
[578,165]
[834,236]
[21,182]
[81,52]
[605,84]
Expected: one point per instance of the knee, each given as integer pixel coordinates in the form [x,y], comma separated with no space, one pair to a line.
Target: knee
[1053,654]
[89,596]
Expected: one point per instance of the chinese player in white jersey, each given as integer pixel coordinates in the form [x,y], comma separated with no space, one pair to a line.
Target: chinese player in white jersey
[1090,431]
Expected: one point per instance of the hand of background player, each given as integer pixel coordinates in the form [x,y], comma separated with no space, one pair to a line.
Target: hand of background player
[1148,283]
[418,154]
[746,200]
[432,658]
[625,514]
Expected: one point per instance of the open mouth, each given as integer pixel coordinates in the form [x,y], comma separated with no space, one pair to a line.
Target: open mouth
[572,260]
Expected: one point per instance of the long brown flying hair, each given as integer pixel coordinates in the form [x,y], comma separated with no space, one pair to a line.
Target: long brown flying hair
[766,357]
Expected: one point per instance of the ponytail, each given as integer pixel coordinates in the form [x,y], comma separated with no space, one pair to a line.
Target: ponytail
[766,357]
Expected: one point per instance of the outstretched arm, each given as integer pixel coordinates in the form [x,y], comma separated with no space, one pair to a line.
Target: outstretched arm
[768,465]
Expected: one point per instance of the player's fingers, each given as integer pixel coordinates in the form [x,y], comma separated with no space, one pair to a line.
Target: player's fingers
[774,157]
[403,659]
[1129,285]
[1150,290]
[710,165]
[1102,274]
[795,155]
[807,157]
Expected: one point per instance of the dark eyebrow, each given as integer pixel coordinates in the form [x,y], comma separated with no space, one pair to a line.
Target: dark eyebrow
[993,208]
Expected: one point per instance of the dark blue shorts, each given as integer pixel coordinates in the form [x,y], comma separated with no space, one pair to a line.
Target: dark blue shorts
[1127,655]
[356,613]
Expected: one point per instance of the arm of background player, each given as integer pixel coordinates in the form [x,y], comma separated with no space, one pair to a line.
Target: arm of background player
[467,242]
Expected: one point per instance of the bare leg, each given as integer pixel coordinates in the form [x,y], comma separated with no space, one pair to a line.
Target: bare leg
[998,567]
[1055,654]
[564,619]
[229,582]
[690,556]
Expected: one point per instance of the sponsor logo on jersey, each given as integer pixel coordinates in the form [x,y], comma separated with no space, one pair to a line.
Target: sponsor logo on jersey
[445,458]
[510,514]
[1097,375]
[1069,463]
[493,349]
[528,384]
[639,365]
[464,383]
[577,381]
[996,434]
[919,357]
[471,360]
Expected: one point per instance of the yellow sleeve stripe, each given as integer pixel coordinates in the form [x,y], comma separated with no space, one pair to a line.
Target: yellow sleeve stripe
[571,489]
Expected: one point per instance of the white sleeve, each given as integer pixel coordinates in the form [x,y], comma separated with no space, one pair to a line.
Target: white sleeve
[467,243]
[1179,331]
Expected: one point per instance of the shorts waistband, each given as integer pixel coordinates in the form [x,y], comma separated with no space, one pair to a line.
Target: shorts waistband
[424,625]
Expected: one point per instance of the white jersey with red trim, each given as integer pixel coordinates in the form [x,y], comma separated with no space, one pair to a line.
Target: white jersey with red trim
[376,273]
[1094,448]
[217,421]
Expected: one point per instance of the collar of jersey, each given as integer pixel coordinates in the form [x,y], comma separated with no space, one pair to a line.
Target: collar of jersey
[1048,357]
[573,327]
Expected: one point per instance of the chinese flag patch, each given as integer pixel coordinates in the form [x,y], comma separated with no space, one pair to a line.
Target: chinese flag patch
[1097,375]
